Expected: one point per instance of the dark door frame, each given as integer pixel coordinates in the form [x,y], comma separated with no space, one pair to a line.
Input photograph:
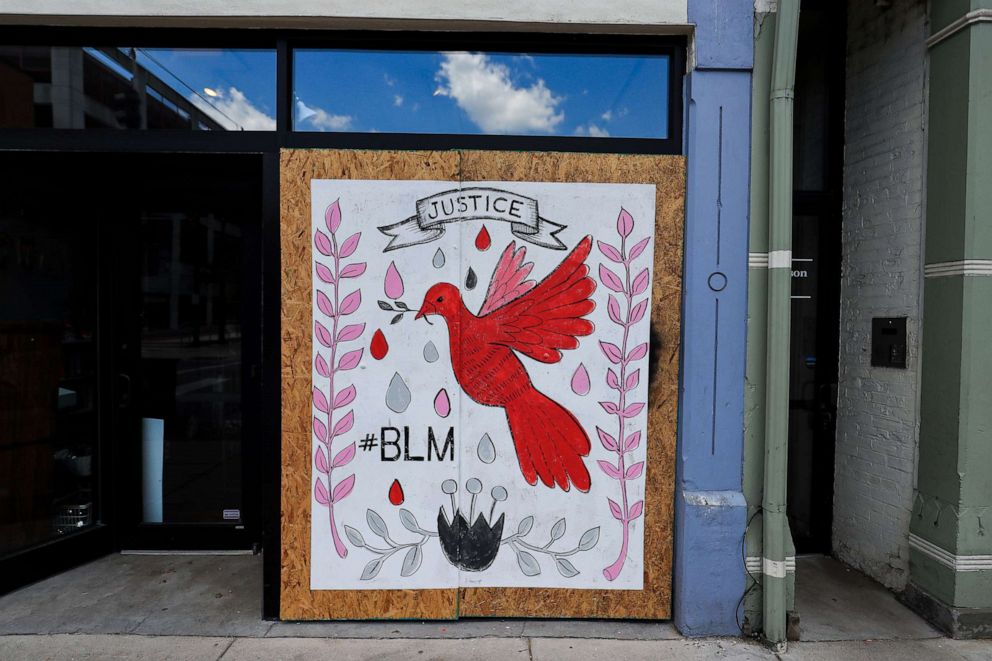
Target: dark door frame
[120,233]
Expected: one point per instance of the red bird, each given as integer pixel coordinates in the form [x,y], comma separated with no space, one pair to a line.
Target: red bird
[536,320]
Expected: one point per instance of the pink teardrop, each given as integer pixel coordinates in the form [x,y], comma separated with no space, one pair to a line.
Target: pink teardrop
[441,403]
[394,282]
[580,380]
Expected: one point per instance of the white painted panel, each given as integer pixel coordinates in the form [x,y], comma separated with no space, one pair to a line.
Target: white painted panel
[527,545]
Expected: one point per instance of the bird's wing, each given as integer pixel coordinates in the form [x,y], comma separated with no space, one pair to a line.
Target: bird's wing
[547,317]
[509,279]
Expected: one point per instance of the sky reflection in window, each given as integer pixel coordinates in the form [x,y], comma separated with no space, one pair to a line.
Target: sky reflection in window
[481,93]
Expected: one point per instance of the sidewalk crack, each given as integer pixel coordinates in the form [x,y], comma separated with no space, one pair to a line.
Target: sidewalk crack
[137,626]
[226,649]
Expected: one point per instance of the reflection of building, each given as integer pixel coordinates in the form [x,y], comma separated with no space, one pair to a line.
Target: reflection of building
[70,87]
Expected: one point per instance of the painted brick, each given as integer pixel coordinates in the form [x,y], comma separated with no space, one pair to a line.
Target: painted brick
[877,420]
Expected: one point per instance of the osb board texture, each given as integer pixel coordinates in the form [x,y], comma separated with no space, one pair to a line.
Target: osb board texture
[298,167]
[297,600]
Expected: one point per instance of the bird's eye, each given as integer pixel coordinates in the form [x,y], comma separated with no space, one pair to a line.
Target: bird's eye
[440,298]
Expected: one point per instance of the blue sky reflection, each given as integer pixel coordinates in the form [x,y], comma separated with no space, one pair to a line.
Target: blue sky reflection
[427,92]
[473,93]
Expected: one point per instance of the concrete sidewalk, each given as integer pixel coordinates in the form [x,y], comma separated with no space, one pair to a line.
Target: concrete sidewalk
[161,648]
[153,607]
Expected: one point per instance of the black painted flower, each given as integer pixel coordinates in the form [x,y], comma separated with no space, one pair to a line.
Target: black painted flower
[472,547]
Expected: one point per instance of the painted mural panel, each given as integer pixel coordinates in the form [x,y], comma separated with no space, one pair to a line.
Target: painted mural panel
[479,383]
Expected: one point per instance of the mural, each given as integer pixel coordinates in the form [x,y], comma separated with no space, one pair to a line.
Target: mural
[478,401]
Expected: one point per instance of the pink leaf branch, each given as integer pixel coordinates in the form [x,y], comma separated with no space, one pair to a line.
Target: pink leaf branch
[624,311]
[331,309]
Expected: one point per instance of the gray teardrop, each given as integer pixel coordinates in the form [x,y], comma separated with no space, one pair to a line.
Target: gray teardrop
[430,352]
[471,280]
[397,394]
[438,259]
[486,450]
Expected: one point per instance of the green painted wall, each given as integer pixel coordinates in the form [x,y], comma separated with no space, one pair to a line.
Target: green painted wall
[954,500]
[947,144]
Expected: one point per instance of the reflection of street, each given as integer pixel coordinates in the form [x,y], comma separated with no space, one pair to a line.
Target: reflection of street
[48,363]
[191,360]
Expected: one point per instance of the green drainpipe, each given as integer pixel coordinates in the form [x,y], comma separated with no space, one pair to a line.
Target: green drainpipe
[775,528]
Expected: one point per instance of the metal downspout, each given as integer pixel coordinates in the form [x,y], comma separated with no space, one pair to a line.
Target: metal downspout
[775,524]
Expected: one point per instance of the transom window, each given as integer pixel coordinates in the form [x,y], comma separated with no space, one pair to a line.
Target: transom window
[594,96]
[348,89]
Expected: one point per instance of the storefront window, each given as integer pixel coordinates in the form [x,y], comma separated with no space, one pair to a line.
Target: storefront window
[597,96]
[48,363]
[137,88]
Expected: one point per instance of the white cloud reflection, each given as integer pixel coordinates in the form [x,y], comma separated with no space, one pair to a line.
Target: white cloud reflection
[485,91]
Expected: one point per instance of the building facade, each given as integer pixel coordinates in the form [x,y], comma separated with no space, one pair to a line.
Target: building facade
[147,302]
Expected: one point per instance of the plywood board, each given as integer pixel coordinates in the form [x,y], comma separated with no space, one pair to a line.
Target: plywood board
[297,600]
[638,587]
[667,173]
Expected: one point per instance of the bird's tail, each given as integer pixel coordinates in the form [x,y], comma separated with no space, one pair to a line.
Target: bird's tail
[550,442]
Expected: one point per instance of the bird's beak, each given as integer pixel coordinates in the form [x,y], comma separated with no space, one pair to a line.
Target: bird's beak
[424,310]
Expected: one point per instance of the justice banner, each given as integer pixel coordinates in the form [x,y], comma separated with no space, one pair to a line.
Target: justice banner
[473,203]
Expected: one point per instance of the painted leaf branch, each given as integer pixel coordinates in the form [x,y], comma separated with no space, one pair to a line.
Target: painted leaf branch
[528,563]
[624,311]
[401,308]
[414,555]
[331,332]
[414,550]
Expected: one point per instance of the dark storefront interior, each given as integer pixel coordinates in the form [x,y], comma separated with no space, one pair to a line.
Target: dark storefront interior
[127,287]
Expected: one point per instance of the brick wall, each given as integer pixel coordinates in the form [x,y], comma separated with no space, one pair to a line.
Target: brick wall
[881,277]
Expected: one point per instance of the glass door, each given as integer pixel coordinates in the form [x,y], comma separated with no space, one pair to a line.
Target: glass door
[187,328]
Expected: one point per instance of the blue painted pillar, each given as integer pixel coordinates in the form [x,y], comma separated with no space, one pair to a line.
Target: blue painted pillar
[710,510]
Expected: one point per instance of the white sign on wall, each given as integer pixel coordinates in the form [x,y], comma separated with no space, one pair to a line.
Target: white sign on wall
[480,356]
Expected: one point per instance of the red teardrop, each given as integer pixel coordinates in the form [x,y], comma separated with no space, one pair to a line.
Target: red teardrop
[396,493]
[482,240]
[379,347]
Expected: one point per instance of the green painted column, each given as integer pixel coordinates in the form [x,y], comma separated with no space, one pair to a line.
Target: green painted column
[757,325]
[757,312]
[951,530]
[770,554]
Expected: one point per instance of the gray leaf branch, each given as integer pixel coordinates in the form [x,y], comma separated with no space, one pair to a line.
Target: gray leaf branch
[528,563]
[414,556]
